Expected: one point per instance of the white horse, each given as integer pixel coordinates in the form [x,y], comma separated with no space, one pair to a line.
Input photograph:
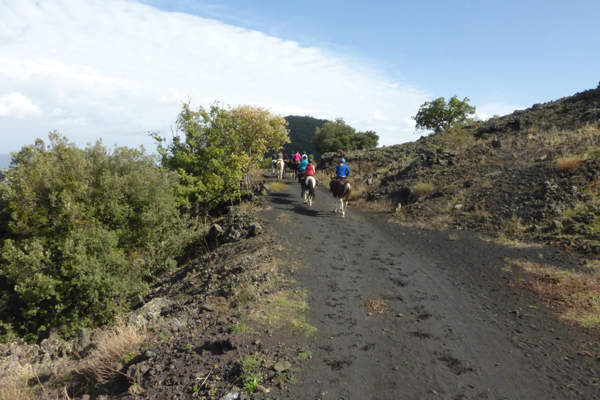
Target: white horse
[341,191]
[273,166]
[309,191]
[280,164]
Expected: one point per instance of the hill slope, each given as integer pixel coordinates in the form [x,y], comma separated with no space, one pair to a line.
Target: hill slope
[532,175]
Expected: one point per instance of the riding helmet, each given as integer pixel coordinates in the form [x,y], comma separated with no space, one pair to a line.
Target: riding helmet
[342,160]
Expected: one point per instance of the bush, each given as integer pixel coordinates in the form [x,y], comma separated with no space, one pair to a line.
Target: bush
[215,151]
[568,164]
[79,231]
[421,189]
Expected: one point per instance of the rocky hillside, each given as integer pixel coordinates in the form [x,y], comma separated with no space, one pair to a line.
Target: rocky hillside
[206,330]
[531,175]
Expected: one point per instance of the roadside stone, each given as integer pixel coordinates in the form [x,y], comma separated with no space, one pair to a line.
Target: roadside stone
[84,341]
[136,302]
[234,394]
[281,366]
[215,231]
[556,224]
[150,312]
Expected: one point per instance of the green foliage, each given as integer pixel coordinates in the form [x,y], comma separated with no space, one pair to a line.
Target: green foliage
[219,147]
[79,230]
[251,383]
[128,358]
[338,136]
[238,328]
[304,355]
[249,364]
[302,130]
[438,114]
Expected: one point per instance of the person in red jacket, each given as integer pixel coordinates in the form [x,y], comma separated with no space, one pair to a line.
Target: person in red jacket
[310,168]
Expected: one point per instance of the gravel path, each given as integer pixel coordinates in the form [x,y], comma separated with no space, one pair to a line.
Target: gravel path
[405,313]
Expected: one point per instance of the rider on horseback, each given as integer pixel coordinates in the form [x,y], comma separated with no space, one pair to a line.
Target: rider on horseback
[341,171]
[310,168]
[302,167]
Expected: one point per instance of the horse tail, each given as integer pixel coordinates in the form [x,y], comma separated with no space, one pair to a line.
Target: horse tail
[311,187]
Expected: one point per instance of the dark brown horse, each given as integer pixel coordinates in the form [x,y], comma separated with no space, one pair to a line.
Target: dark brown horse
[293,166]
[341,191]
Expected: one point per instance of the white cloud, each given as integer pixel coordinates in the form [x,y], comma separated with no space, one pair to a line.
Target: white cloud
[15,105]
[118,68]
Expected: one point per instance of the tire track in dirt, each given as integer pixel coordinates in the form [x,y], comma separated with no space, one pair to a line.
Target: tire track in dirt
[455,338]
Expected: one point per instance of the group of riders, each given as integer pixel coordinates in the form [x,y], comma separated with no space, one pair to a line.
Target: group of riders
[306,166]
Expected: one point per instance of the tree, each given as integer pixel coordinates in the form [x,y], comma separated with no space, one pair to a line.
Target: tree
[438,114]
[218,148]
[80,231]
[338,136]
[302,130]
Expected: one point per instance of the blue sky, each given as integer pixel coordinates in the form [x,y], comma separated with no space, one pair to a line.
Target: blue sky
[117,69]
[511,52]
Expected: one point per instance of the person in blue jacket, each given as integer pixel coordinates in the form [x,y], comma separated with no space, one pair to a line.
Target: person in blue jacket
[302,167]
[341,171]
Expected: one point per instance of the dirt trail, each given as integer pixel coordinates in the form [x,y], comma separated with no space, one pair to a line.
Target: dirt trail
[454,327]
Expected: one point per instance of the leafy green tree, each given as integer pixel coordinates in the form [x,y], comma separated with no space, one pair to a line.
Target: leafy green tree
[80,231]
[437,114]
[218,149]
[339,136]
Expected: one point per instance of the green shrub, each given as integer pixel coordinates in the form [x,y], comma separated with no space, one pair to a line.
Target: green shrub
[80,230]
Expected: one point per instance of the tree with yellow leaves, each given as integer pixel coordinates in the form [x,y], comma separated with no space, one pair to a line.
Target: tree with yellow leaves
[214,150]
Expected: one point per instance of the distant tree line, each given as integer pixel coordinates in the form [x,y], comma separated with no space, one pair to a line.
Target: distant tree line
[339,136]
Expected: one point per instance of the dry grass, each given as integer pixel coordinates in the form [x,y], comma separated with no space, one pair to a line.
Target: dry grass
[283,217]
[283,309]
[14,386]
[23,383]
[275,187]
[568,164]
[454,237]
[323,177]
[272,306]
[576,294]
[421,189]
[115,347]
[441,221]
[383,206]
[458,138]
[358,188]
[480,211]
[379,306]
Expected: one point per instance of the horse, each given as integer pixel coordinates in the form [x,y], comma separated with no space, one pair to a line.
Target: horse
[310,183]
[280,165]
[273,166]
[294,165]
[341,192]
